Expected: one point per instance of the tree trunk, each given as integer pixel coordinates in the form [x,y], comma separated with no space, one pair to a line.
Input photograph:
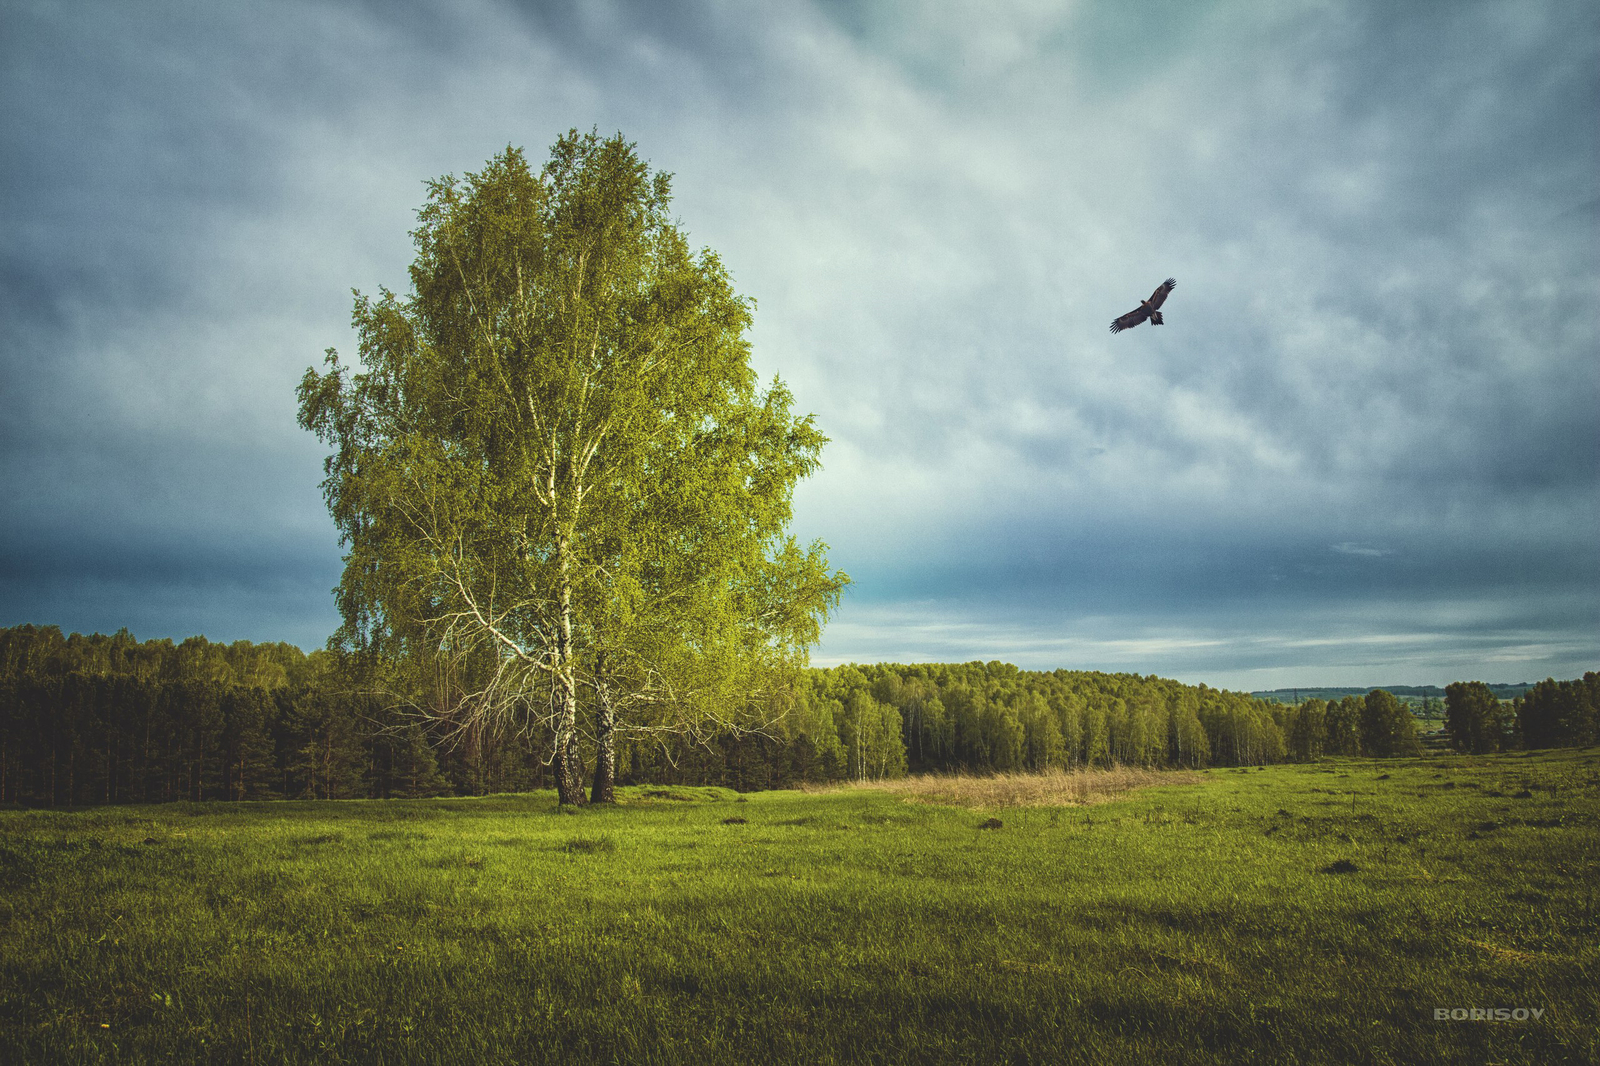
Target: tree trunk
[605,759]
[569,769]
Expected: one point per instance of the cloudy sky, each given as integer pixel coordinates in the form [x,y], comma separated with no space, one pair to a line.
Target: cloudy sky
[1364,449]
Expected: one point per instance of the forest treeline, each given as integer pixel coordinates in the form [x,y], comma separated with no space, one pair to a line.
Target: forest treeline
[110,719]
[1551,714]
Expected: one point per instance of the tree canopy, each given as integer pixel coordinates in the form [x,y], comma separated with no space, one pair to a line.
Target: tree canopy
[554,471]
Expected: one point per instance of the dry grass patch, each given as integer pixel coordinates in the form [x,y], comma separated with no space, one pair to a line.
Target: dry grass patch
[1052,788]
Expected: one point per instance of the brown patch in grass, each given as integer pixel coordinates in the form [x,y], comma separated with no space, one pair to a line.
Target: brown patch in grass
[1052,788]
[1502,953]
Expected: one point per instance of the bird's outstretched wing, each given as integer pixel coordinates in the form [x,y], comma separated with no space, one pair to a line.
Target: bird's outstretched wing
[1131,319]
[1159,297]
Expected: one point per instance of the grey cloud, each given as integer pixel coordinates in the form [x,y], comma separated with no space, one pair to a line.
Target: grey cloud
[1377,643]
[1382,338]
[1349,547]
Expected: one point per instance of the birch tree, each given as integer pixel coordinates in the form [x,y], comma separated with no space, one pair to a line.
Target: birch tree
[553,469]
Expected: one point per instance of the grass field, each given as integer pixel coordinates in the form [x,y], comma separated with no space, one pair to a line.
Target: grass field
[1316,913]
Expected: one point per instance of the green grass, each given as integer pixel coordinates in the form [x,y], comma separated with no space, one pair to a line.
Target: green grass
[1186,923]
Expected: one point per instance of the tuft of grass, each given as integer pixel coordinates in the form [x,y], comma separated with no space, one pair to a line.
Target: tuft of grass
[589,846]
[319,838]
[638,795]
[1053,788]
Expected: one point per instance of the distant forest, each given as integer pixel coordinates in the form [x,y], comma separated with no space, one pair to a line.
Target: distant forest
[1410,694]
[110,719]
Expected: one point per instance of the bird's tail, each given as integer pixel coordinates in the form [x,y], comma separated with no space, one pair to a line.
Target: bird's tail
[1155,318]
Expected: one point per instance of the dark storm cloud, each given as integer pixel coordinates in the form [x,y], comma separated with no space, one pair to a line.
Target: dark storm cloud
[146,484]
[1364,442]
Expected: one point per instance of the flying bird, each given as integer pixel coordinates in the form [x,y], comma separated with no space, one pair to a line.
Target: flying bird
[1150,309]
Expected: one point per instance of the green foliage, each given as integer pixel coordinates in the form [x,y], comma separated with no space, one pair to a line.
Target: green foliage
[1042,747]
[1387,728]
[149,730]
[1557,713]
[248,754]
[870,733]
[1342,726]
[555,473]
[1425,698]
[980,717]
[150,722]
[1475,720]
[326,754]
[1306,730]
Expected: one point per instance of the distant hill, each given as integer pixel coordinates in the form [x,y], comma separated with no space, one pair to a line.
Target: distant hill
[1425,692]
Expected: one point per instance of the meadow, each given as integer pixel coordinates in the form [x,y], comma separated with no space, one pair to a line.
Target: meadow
[1316,913]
